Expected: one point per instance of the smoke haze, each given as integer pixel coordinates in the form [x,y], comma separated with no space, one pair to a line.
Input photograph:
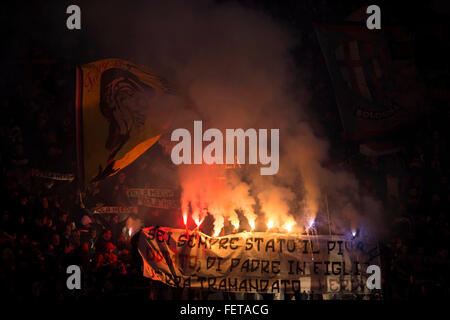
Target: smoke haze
[233,69]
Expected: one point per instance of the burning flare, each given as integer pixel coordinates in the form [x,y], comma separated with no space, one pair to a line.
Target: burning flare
[235,224]
[198,222]
[288,226]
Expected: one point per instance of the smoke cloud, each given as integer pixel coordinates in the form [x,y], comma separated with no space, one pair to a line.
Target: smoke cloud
[233,68]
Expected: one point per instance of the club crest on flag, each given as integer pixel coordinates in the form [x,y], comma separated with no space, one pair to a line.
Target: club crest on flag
[375,81]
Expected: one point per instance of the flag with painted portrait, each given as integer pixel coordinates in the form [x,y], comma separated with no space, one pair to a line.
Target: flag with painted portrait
[114,109]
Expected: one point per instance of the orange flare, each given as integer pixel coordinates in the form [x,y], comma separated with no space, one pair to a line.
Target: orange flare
[288,226]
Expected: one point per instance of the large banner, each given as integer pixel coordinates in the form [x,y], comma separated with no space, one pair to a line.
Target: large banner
[376,84]
[162,198]
[114,102]
[257,262]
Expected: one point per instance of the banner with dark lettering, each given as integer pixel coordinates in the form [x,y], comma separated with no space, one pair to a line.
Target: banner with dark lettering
[112,210]
[52,175]
[257,262]
[163,198]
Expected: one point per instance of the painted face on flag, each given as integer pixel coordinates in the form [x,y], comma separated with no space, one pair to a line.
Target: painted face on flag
[121,112]
[124,101]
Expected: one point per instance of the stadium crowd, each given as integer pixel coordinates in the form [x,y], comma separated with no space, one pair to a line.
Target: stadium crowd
[44,226]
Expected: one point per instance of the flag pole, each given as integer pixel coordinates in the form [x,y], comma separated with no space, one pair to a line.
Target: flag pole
[328,214]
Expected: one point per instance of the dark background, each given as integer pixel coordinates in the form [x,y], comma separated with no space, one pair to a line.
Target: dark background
[37,131]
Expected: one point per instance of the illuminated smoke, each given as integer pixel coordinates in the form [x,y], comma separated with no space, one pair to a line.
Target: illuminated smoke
[288,226]
[234,67]
[218,225]
[274,203]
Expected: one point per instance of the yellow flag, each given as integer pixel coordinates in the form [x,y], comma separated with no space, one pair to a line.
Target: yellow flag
[113,101]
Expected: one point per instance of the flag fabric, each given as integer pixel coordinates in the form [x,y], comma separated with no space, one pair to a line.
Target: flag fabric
[376,84]
[114,115]
[376,149]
